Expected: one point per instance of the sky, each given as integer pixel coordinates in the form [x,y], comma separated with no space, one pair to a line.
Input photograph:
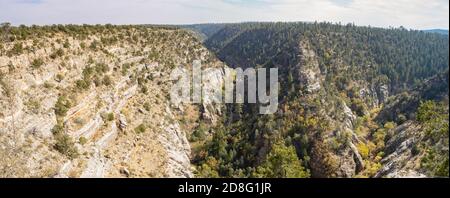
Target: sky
[413,14]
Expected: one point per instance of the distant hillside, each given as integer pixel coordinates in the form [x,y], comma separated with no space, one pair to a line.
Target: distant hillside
[204,31]
[439,31]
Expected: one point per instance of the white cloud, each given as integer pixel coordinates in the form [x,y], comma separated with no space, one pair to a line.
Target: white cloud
[417,14]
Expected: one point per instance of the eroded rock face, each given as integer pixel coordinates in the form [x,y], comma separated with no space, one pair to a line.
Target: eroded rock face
[213,80]
[350,160]
[342,158]
[374,95]
[178,151]
[349,163]
[400,160]
[309,71]
[120,121]
[383,94]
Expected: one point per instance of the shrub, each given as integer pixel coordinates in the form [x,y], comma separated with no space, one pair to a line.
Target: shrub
[17,49]
[83,84]
[58,129]
[125,68]
[363,150]
[147,106]
[359,107]
[82,140]
[389,125]
[94,45]
[101,68]
[37,63]
[88,72]
[48,85]
[33,105]
[110,117]
[11,67]
[401,119]
[57,53]
[200,133]
[7,88]
[144,90]
[140,129]
[379,138]
[59,77]
[62,106]
[97,81]
[66,44]
[107,81]
[66,146]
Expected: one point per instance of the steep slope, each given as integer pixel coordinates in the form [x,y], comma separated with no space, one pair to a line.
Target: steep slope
[93,101]
[418,147]
[334,80]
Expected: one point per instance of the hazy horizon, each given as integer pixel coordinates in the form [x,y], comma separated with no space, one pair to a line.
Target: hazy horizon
[414,14]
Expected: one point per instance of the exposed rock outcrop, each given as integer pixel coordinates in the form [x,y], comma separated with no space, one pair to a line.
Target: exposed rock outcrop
[309,72]
[107,87]
[401,159]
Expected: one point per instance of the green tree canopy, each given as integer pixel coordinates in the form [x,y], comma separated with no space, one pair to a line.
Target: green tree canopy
[282,162]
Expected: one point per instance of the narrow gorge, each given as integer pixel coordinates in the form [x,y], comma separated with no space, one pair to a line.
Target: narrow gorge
[94,101]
